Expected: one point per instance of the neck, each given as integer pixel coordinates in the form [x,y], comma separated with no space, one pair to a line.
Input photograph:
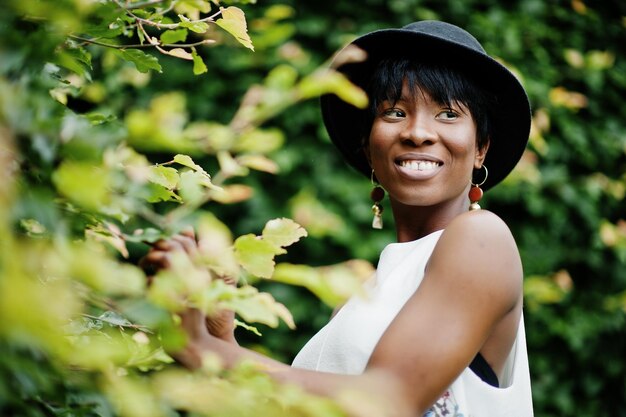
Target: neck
[414,222]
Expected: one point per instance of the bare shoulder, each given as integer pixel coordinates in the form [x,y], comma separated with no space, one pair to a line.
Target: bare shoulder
[482,222]
[478,231]
[478,250]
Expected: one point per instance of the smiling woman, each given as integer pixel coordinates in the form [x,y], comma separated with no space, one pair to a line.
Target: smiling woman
[440,328]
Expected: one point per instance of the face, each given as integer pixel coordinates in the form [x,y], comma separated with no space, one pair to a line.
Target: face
[423,152]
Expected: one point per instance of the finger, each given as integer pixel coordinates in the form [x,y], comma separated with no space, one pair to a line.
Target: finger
[230,280]
[155,260]
[187,243]
[189,232]
[193,322]
[168,245]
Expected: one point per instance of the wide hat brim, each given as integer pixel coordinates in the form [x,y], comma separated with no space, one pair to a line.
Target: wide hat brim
[448,44]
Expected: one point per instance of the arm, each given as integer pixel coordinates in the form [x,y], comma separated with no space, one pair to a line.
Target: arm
[472,284]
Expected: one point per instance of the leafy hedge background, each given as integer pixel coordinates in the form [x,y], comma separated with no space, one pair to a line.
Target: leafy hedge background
[71,111]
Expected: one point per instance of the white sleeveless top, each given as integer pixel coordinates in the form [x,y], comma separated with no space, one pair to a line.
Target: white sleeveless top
[346,343]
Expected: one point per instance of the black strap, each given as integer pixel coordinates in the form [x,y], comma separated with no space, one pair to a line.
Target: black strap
[482,369]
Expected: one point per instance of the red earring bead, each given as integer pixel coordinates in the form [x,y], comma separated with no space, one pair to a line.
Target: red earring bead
[475,194]
[377,194]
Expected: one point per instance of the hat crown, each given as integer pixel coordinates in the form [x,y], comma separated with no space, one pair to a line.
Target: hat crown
[447,32]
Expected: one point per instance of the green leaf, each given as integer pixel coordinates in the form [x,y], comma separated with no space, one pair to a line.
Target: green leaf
[239,323]
[260,307]
[165,176]
[332,284]
[256,255]
[85,184]
[213,135]
[329,81]
[260,141]
[156,193]
[283,232]
[192,186]
[258,162]
[233,21]
[180,53]
[194,26]
[143,62]
[230,166]
[173,36]
[283,77]
[77,60]
[189,163]
[199,66]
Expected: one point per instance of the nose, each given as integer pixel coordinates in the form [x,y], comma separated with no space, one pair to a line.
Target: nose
[419,130]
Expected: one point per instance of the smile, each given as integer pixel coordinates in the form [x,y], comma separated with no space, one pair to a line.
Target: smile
[419,165]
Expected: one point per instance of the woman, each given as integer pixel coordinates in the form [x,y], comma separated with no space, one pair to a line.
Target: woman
[443,316]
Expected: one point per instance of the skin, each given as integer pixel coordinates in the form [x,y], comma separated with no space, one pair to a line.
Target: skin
[470,299]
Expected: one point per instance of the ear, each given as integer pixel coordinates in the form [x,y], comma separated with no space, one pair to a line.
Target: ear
[481,154]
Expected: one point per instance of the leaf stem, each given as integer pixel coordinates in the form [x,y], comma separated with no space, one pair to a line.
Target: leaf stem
[105,320]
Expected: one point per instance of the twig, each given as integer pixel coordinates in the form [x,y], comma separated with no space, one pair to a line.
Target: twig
[141,5]
[165,25]
[141,45]
[108,45]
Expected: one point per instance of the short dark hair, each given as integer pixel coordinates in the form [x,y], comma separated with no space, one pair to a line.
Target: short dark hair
[441,81]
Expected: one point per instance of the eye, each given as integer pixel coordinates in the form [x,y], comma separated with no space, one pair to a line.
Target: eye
[447,114]
[393,113]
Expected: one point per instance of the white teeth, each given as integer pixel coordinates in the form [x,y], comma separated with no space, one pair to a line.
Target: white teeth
[419,165]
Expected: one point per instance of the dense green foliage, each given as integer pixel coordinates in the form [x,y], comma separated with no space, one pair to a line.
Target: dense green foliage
[104,150]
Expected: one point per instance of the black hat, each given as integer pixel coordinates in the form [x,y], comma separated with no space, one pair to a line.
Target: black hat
[511,121]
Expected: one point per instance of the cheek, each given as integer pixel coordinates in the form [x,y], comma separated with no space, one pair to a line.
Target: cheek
[379,139]
[462,143]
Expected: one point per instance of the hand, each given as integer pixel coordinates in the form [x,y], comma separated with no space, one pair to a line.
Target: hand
[220,324]
[193,322]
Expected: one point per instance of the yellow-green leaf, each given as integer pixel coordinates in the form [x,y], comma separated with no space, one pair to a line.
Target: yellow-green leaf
[215,245]
[164,176]
[332,284]
[329,81]
[283,232]
[256,255]
[189,163]
[199,67]
[194,26]
[260,307]
[233,21]
[143,62]
[180,53]
[258,162]
[192,186]
[85,184]
[232,193]
[173,36]
[229,165]
[260,141]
